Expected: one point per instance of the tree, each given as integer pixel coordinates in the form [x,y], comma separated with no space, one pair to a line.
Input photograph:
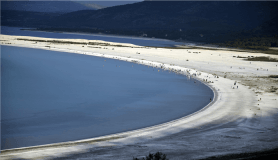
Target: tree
[156,156]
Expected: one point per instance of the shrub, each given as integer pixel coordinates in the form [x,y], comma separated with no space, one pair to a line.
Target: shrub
[156,156]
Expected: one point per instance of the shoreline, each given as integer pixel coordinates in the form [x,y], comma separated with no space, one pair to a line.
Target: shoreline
[120,134]
[109,35]
[216,116]
[103,34]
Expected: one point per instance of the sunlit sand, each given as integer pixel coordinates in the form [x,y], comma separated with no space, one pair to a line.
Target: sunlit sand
[241,118]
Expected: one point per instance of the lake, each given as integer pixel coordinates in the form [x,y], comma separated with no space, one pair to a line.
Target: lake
[49,97]
[119,39]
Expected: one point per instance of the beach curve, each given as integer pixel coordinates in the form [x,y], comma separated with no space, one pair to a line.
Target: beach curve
[214,117]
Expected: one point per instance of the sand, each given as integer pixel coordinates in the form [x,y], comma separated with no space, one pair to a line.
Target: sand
[242,119]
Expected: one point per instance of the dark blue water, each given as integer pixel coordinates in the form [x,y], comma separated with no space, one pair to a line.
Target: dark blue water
[50,96]
[118,39]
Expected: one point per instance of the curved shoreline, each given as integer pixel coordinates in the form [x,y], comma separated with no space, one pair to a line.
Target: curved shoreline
[121,134]
[236,122]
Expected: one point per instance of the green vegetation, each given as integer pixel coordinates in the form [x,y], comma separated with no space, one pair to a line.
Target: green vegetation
[157,156]
[270,51]
[253,43]
[267,154]
[71,42]
[265,59]
[273,76]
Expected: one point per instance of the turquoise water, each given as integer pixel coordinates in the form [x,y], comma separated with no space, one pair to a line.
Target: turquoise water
[50,97]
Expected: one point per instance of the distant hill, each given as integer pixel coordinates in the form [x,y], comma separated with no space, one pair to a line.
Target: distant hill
[184,20]
[27,18]
[90,4]
[270,26]
[179,15]
[45,6]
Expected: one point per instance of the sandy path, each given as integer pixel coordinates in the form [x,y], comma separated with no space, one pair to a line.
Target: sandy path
[239,120]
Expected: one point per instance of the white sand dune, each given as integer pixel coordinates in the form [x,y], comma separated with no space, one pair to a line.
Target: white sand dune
[242,119]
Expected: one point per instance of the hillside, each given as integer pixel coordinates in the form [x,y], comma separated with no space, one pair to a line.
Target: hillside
[90,4]
[181,15]
[45,6]
[183,20]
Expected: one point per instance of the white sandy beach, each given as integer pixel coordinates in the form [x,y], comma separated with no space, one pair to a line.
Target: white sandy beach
[240,119]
